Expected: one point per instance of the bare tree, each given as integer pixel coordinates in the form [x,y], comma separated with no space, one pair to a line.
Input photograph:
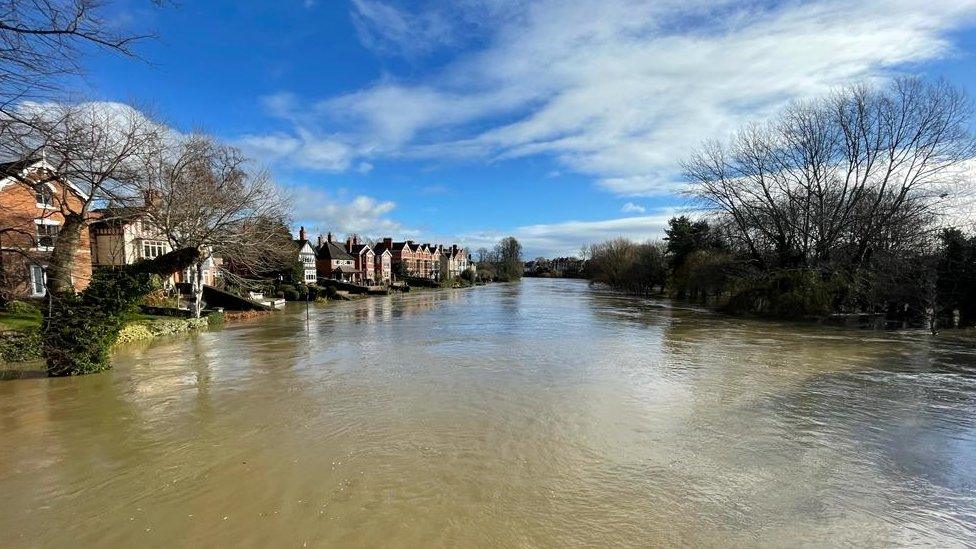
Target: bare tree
[205,195]
[91,146]
[831,181]
[40,41]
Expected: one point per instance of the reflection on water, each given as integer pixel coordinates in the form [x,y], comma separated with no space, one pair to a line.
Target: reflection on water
[540,414]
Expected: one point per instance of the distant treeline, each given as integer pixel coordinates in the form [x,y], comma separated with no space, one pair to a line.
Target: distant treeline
[503,263]
[840,205]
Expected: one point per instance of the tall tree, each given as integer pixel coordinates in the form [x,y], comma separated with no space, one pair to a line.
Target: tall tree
[831,181]
[508,258]
[205,195]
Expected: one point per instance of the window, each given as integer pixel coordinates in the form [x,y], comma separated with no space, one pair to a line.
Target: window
[38,281]
[47,233]
[151,249]
[42,193]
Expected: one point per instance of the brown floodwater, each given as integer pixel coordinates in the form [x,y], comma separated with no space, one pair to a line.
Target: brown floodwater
[539,414]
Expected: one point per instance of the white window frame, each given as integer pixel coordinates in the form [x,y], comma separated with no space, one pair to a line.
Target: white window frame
[50,193]
[39,222]
[33,281]
[157,245]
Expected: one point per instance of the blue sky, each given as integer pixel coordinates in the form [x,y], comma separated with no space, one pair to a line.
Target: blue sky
[560,122]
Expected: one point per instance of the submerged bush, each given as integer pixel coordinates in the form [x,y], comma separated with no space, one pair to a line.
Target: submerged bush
[789,294]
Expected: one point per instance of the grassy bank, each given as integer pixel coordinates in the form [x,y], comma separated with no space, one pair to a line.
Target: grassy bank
[20,325]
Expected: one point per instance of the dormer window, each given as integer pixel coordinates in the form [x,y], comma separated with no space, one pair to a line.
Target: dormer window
[44,196]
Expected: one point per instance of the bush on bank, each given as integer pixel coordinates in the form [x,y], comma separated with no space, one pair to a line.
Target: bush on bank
[20,345]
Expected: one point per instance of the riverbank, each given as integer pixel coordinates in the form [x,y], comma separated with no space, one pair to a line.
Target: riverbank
[20,325]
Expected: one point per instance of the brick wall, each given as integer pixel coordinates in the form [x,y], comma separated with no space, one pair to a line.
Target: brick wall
[19,215]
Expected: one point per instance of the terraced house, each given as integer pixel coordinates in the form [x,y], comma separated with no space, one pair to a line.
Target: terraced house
[363,256]
[333,261]
[453,262]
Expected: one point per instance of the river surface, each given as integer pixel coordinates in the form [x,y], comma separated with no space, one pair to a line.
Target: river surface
[539,414]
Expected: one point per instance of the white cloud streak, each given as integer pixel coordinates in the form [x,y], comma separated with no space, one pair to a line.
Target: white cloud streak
[620,90]
[566,238]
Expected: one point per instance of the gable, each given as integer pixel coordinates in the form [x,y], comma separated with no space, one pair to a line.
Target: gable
[24,172]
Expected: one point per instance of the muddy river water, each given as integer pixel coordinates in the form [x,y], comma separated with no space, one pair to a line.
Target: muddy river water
[539,414]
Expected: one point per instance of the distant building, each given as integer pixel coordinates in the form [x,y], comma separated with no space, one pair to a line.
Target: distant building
[363,257]
[306,254]
[333,261]
[453,262]
[383,264]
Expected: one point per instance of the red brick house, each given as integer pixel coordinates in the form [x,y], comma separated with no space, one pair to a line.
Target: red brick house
[333,261]
[404,257]
[32,199]
[363,256]
[383,264]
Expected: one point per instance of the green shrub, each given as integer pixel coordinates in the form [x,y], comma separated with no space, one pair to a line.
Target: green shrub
[788,294]
[20,345]
[135,331]
[291,293]
[21,308]
[216,318]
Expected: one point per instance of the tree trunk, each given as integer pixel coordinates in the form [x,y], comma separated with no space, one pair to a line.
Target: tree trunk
[198,289]
[63,257]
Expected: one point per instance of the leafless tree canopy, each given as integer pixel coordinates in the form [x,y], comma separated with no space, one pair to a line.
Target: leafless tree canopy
[91,145]
[40,41]
[204,195]
[837,179]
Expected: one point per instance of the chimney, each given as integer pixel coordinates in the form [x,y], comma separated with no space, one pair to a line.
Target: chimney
[355,239]
[320,241]
[349,243]
[328,237]
[301,233]
[388,242]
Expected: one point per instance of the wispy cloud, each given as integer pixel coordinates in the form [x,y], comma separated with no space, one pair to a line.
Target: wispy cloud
[630,207]
[566,238]
[619,90]
[321,212]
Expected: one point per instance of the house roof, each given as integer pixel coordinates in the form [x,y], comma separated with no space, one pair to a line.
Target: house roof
[359,248]
[301,243]
[16,166]
[346,269]
[332,250]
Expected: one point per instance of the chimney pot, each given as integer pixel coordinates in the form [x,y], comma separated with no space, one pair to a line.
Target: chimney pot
[320,241]
[328,237]
[301,233]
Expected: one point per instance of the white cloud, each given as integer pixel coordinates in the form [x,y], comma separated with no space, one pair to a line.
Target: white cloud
[303,149]
[630,207]
[566,238]
[620,90]
[321,212]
